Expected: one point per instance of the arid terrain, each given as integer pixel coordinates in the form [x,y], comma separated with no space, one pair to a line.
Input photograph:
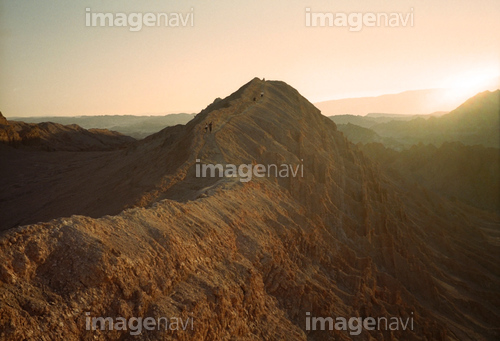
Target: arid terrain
[137,127]
[474,122]
[49,136]
[132,231]
[455,155]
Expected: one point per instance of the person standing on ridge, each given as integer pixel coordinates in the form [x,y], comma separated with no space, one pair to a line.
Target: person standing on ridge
[210,126]
[206,127]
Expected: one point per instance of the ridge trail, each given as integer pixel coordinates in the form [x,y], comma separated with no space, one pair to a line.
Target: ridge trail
[212,137]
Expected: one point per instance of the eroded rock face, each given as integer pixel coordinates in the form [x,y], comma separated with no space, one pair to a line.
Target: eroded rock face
[3,120]
[248,260]
[466,173]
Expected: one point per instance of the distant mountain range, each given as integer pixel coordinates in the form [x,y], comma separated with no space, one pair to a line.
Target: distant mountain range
[49,136]
[412,102]
[373,119]
[474,122]
[450,155]
[137,127]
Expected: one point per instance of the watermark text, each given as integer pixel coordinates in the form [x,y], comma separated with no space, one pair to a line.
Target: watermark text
[135,325]
[246,171]
[135,21]
[357,20]
[355,325]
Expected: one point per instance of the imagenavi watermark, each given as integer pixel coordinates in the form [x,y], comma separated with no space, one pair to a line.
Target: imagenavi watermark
[355,325]
[246,171]
[135,21]
[135,325]
[357,20]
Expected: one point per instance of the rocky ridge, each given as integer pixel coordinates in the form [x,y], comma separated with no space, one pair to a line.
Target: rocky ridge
[248,260]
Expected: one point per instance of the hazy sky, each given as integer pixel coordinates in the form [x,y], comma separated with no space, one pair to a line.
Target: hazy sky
[51,63]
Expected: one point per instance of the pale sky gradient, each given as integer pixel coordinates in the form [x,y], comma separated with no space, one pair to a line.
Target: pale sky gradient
[51,64]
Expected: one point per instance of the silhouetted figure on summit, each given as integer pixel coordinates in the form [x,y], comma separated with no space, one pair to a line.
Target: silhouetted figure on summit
[210,126]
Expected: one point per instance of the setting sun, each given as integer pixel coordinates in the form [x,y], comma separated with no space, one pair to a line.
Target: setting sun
[460,88]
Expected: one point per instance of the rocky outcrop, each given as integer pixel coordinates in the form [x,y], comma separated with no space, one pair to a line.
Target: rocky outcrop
[3,120]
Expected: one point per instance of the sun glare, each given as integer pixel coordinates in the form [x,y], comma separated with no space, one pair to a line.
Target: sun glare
[459,89]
